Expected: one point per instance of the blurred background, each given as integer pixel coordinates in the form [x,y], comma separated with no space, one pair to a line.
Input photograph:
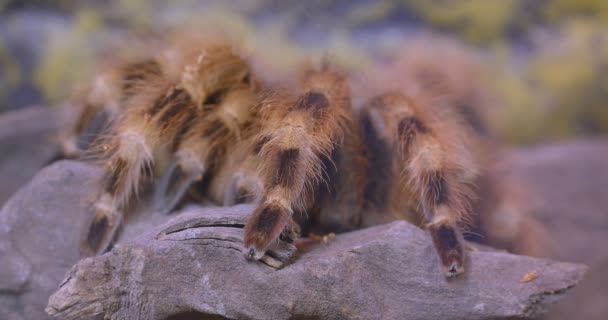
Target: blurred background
[546,60]
[543,64]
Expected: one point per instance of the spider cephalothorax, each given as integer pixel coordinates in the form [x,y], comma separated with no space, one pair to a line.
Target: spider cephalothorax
[301,149]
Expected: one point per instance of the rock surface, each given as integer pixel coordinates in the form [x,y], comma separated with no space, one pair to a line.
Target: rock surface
[39,236]
[26,145]
[385,272]
[181,267]
[569,192]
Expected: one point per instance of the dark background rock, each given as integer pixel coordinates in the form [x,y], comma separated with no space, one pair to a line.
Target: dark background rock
[568,185]
[27,143]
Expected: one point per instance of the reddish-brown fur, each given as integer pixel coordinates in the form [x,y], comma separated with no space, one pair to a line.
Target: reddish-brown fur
[296,131]
[159,117]
[293,150]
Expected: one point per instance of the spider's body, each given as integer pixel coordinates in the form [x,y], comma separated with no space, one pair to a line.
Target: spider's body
[302,150]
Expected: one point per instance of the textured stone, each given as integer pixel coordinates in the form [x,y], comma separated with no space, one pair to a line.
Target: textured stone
[26,145]
[568,185]
[186,266]
[39,235]
[384,272]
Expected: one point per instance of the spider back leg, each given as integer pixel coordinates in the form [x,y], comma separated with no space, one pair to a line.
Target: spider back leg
[432,163]
[98,105]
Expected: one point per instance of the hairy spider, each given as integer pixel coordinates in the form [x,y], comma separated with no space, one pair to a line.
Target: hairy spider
[305,150]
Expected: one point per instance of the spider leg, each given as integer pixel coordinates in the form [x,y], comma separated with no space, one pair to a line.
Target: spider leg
[189,164]
[434,164]
[97,106]
[127,163]
[242,188]
[161,117]
[236,180]
[297,132]
[151,120]
[204,146]
[174,183]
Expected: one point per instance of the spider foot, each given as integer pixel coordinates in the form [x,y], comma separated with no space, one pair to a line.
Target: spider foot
[264,228]
[101,231]
[449,244]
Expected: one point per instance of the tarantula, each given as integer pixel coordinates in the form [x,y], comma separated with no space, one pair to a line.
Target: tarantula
[197,114]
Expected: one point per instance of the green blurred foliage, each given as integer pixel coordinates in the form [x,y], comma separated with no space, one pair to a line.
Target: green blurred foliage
[546,61]
[572,75]
[554,88]
[559,10]
[558,90]
[371,12]
[477,21]
[69,57]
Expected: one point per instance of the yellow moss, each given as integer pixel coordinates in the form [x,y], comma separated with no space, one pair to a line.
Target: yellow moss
[560,88]
[476,20]
[518,117]
[558,10]
[600,114]
[67,60]
[565,74]
[279,51]
[88,20]
[137,14]
[371,12]
[570,73]
[3,4]
[276,50]
[345,53]
[220,19]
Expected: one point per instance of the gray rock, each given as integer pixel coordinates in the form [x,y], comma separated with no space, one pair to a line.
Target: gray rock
[191,265]
[568,183]
[39,236]
[26,145]
[384,272]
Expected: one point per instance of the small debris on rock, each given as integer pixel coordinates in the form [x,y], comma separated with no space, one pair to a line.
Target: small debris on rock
[529,277]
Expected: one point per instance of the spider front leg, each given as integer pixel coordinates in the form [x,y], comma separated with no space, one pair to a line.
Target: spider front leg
[434,165]
[295,133]
[129,158]
[151,120]
[156,114]
[205,145]
[199,150]
[182,172]
[189,162]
